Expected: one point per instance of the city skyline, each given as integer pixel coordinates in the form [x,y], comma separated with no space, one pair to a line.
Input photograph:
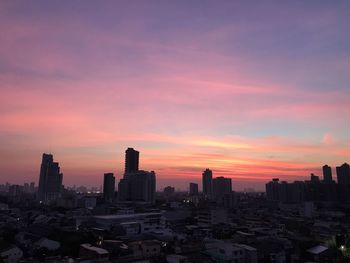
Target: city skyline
[50,179]
[252,91]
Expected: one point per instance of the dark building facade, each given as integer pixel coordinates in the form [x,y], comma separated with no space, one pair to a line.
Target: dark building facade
[343,174]
[136,185]
[108,187]
[312,190]
[327,174]
[193,189]
[207,182]
[139,186]
[131,160]
[50,180]
[222,189]
[169,190]
[222,186]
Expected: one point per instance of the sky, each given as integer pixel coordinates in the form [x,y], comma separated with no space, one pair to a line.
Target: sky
[250,89]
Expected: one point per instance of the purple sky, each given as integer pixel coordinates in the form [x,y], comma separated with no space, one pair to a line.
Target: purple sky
[250,89]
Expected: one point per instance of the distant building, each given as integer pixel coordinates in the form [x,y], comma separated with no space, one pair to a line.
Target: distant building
[193,189]
[222,190]
[108,187]
[313,190]
[169,190]
[327,174]
[343,174]
[138,186]
[272,190]
[285,192]
[222,186]
[131,160]
[15,190]
[32,187]
[314,178]
[50,181]
[207,182]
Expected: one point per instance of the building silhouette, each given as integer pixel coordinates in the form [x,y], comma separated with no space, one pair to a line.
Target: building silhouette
[272,189]
[222,190]
[314,178]
[131,160]
[193,189]
[136,185]
[108,187]
[169,190]
[314,189]
[207,182]
[50,180]
[222,186]
[343,174]
[327,174]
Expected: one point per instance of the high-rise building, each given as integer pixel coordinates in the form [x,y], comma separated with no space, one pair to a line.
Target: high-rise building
[222,186]
[131,160]
[327,174]
[272,189]
[50,181]
[193,189]
[207,182]
[343,174]
[139,186]
[108,187]
[136,185]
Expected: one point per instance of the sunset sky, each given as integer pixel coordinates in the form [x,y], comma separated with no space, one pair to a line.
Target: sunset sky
[250,89]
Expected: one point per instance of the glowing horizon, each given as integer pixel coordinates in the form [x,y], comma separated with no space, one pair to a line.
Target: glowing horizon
[250,90]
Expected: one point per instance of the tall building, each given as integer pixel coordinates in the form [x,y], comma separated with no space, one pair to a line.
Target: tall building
[139,186]
[136,185]
[343,174]
[207,182]
[131,160]
[193,189]
[108,187]
[272,189]
[327,174]
[50,180]
[222,186]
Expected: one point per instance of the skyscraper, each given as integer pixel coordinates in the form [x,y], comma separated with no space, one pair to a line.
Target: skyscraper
[207,178]
[327,174]
[108,187]
[50,180]
[343,174]
[136,185]
[193,189]
[131,160]
[222,186]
